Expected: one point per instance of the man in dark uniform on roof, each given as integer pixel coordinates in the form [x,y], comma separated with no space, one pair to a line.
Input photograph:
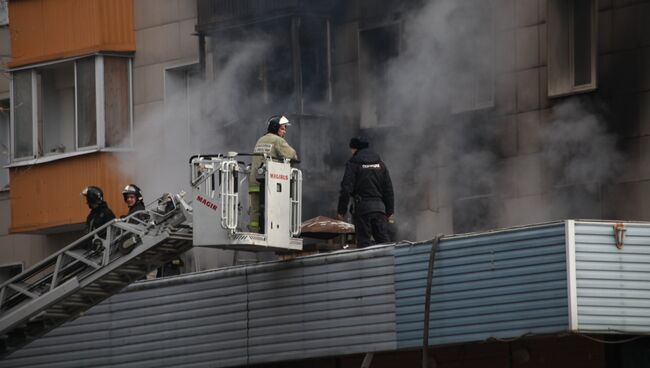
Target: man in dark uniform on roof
[367,182]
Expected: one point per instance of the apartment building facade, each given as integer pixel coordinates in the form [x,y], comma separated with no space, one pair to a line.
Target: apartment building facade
[507,112]
[488,113]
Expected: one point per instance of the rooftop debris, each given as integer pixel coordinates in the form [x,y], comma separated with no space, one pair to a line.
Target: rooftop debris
[322,227]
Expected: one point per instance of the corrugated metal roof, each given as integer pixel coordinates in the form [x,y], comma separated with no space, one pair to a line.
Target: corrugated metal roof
[501,284]
[613,285]
[314,306]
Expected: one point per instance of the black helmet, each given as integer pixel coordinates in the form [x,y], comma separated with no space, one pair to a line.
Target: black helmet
[274,123]
[94,195]
[132,189]
[359,143]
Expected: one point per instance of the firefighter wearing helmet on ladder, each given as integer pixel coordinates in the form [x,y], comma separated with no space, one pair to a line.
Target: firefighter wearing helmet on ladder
[274,145]
[133,199]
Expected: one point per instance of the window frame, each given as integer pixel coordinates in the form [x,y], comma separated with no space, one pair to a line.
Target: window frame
[3,165]
[561,62]
[361,67]
[100,112]
[12,124]
[4,13]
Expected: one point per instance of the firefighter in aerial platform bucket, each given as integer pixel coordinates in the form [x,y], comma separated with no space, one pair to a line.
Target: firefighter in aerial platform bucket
[367,182]
[274,145]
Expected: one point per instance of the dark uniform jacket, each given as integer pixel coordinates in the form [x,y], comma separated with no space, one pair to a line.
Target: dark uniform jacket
[367,182]
[138,206]
[98,216]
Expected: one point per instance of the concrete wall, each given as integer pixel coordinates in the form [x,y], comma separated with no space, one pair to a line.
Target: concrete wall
[16,249]
[26,249]
[525,187]
[164,33]
[523,184]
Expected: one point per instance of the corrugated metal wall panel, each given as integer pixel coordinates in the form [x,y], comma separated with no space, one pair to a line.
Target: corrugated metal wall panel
[200,319]
[332,304]
[613,292]
[43,30]
[501,284]
[341,304]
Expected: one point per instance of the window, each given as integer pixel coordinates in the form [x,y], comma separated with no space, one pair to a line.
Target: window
[315,60]
[4,144]
[55,107]
[183,106]
[22,112]
[377,46]
[286,64]
[571,46]
[471,56]
[4,13]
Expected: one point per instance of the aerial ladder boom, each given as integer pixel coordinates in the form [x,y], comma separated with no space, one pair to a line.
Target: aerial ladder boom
[89,270]
[66,284]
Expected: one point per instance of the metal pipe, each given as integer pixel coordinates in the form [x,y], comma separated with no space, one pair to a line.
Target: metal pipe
[427,302]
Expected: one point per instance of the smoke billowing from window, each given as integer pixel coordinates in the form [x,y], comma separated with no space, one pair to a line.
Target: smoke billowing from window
[462,157]
[458,161]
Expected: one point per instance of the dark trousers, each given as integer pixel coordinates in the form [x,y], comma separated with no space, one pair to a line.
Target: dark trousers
[373,225]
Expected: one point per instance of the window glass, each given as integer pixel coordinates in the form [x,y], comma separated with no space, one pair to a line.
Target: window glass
[117,102]
[23,130]
[56,108]
[4,143]
[86,103]
[377,47]
[571,52]
[313,59]
[582,43]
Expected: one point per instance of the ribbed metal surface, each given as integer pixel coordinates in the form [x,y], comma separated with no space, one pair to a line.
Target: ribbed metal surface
[44,30]
[191,321]
[332,305]
[43,197]
[613,285]
[316,306]
[502,284]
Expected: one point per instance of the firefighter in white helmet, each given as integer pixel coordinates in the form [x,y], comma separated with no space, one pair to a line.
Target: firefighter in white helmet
[273,144]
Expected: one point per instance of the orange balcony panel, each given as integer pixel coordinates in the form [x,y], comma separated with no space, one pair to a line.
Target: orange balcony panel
[43,30]
[46,197]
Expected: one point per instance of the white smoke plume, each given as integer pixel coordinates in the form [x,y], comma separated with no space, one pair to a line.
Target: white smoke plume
[441,106]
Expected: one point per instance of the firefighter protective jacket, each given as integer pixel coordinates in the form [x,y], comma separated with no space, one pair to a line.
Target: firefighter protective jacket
[138,206]
[98,216]
[275,146]
[367,182]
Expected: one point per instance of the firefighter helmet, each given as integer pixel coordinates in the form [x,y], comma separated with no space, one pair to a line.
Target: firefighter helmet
[93,194]
[132,189]
[275,122]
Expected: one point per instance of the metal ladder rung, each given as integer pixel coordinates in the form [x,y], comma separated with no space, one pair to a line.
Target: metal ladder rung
[56,314]
[132,271]
[112,282]
[74,303]
[167,249]
[94,292]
